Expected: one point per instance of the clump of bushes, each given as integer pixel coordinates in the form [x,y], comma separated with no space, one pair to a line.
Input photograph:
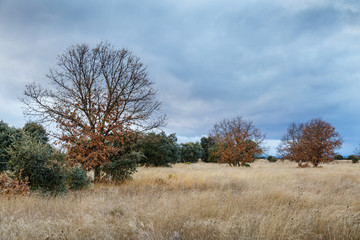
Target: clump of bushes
[272,158]
[34,161]
[353,158]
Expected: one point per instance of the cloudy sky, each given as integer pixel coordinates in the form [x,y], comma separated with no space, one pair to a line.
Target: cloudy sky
[271,61]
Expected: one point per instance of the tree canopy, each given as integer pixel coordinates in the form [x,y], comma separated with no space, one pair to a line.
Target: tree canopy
[313,143]
[238,141]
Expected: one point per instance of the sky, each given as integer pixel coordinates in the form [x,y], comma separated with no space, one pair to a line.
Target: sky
[273,62]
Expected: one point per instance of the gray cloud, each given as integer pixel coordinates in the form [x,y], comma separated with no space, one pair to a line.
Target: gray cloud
[274,62]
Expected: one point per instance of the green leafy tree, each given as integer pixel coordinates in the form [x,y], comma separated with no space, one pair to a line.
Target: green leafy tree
[206,143]
[7,137]
[191,152]
[158,149]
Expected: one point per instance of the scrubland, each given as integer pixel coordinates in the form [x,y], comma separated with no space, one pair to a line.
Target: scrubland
[199,201]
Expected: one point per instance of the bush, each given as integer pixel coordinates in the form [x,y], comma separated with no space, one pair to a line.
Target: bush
[338,157]
[191,152]
[272,159]
[34,161]
[158,149]
[353,158]
[77,179]
[122,167]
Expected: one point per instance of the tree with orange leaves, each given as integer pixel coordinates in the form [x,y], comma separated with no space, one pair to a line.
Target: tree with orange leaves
[313,143]
[237,140]
[100,99]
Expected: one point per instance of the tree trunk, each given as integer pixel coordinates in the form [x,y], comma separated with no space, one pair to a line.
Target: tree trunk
[97,173]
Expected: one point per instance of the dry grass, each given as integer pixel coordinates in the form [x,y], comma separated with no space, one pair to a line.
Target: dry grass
[199,201]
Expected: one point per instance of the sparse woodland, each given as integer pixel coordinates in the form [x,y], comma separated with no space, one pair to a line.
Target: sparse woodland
[109,172]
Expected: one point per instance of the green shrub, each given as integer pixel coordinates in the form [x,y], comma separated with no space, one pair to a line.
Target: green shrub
[77,179]
[272,159]
[353,158]
[338,157]
[122,167]
[33,161]
[158,149]
[191,152]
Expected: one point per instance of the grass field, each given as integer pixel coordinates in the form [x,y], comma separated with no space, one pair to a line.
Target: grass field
[199,201]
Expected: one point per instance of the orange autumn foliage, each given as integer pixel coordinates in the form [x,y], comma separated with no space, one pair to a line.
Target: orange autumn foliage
[313,143]
[237,140]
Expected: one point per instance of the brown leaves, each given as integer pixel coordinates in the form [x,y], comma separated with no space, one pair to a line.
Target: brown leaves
[11,187]
[238,141]
[314,142]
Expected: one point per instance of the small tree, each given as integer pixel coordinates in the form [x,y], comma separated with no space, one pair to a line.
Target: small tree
[238,141]
[191,152]
[206,143]
[314,143]
[158,149]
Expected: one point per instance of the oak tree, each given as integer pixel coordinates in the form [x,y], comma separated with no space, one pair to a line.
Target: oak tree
[313,143]
[238,141]
[99,97]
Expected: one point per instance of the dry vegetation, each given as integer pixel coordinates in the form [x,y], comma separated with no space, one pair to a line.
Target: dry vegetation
[199,201]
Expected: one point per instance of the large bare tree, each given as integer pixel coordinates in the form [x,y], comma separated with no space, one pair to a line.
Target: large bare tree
[238,141]
[98,98]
